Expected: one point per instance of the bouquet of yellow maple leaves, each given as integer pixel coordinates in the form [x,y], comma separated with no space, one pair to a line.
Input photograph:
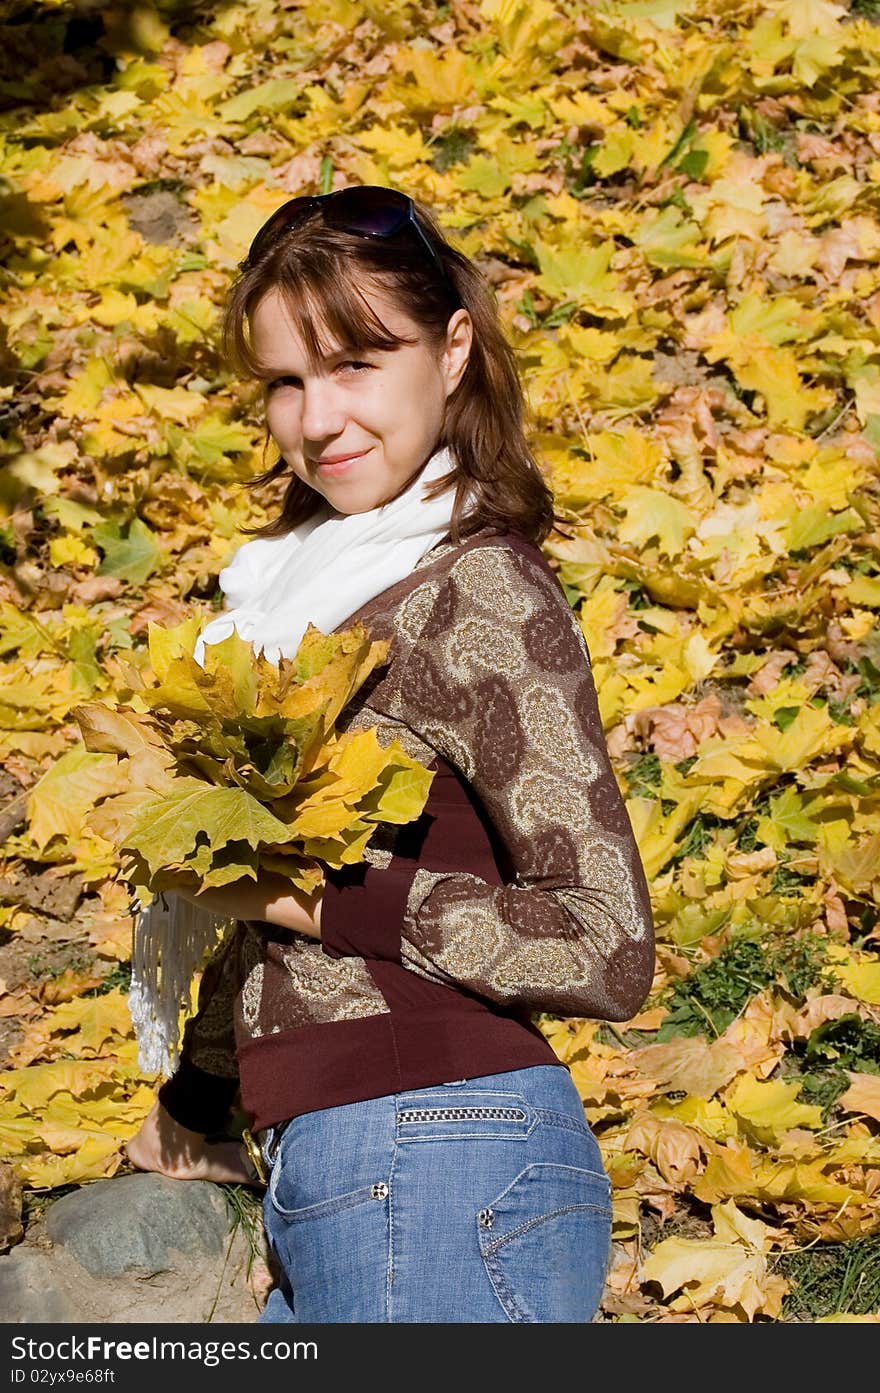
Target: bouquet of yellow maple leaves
[234,766]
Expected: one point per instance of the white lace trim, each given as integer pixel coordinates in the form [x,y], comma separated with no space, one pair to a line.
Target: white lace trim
[171,938]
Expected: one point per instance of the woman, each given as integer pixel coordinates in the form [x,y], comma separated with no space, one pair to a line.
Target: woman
[427,1153]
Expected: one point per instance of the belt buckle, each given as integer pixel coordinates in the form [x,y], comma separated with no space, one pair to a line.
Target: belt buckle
[252,1147]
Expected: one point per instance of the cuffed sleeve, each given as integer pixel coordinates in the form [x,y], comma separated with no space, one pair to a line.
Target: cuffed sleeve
[500,684]
[196,1099]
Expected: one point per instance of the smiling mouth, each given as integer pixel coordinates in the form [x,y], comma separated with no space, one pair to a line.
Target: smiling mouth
[333,466]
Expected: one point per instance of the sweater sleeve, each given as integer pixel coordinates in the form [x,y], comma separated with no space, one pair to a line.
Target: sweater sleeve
[200,1092]
[499,683]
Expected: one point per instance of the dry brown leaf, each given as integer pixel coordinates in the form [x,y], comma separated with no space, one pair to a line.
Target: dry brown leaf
[689,1063]
[768,675]
[18,1004]
[829,1007]
[11,1228]
[676,1150]
[756,1036]
[863,1095]
[708,1272]
[651,1019]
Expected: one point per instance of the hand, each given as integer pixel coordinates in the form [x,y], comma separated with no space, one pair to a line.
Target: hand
[271,899]
[163,1145]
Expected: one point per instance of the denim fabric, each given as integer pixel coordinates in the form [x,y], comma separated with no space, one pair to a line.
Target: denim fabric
[483,1200]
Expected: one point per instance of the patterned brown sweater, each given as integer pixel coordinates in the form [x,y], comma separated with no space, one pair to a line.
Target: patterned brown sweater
[518,890]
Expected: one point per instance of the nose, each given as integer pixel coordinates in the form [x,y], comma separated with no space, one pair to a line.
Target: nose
[322,410]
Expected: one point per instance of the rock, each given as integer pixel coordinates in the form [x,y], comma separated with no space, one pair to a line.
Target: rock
[137,1249]
[10,1207]
[30,1291]
[139,1221]
[39,1285]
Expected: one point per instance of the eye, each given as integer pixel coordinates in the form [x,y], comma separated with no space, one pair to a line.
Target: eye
[355,364]
[278,382]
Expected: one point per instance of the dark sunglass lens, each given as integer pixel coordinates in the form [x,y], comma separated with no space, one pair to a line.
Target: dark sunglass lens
[368,209]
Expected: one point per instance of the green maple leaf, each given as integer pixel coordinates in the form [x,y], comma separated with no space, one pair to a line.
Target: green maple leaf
[652,514]
[133,557]
[167,829]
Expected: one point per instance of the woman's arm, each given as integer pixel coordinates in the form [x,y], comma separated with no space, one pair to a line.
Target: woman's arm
[500,684]
[270,899]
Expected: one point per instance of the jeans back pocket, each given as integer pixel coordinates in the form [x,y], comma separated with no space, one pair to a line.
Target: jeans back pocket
[545,1242]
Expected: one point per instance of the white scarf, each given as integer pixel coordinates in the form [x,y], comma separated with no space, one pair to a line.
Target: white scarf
[321,572]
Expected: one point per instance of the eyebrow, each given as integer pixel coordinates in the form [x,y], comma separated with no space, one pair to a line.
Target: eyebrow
[267,374]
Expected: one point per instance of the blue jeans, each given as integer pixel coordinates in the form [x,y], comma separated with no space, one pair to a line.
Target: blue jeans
[482,1200]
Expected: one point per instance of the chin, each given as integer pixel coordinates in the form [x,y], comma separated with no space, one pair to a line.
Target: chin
[349,508]
[361,504]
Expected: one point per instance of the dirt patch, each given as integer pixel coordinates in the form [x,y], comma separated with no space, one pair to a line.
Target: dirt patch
[159,216]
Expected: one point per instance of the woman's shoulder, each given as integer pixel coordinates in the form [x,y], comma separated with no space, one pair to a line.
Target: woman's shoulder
[489,586]
[453,554]
[487,569]
[492,562]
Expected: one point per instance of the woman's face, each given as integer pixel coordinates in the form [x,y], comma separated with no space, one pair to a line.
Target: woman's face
[385,407]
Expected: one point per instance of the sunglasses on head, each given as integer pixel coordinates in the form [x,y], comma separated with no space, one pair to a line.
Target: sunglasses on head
[368,210]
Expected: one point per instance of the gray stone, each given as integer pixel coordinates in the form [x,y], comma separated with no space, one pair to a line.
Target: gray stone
[139,1221]
[28,1292]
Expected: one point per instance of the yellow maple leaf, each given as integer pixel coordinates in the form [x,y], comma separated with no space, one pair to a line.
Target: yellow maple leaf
[96,1158]
[399,147]
[658,833]
[709,1115]
[709,1272]
[98,1021]
[71,550]
[767,1109]
[657,688]
[811,733]
[59,801]
[442,80]
[172,403]
[735,1172]
[580,108]
[582,274]
[859,972]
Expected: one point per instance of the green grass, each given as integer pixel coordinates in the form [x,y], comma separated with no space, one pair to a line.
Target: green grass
[244,1208]
[643,777]
[711,997]
[849,1042]
[119,978]
[831,1278]
[453,147]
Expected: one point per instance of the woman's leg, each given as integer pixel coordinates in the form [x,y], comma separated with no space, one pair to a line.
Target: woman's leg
[500,1205]
[327,1215]
[479,1201]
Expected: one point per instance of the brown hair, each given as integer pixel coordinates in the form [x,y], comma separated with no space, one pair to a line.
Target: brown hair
[311,266]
